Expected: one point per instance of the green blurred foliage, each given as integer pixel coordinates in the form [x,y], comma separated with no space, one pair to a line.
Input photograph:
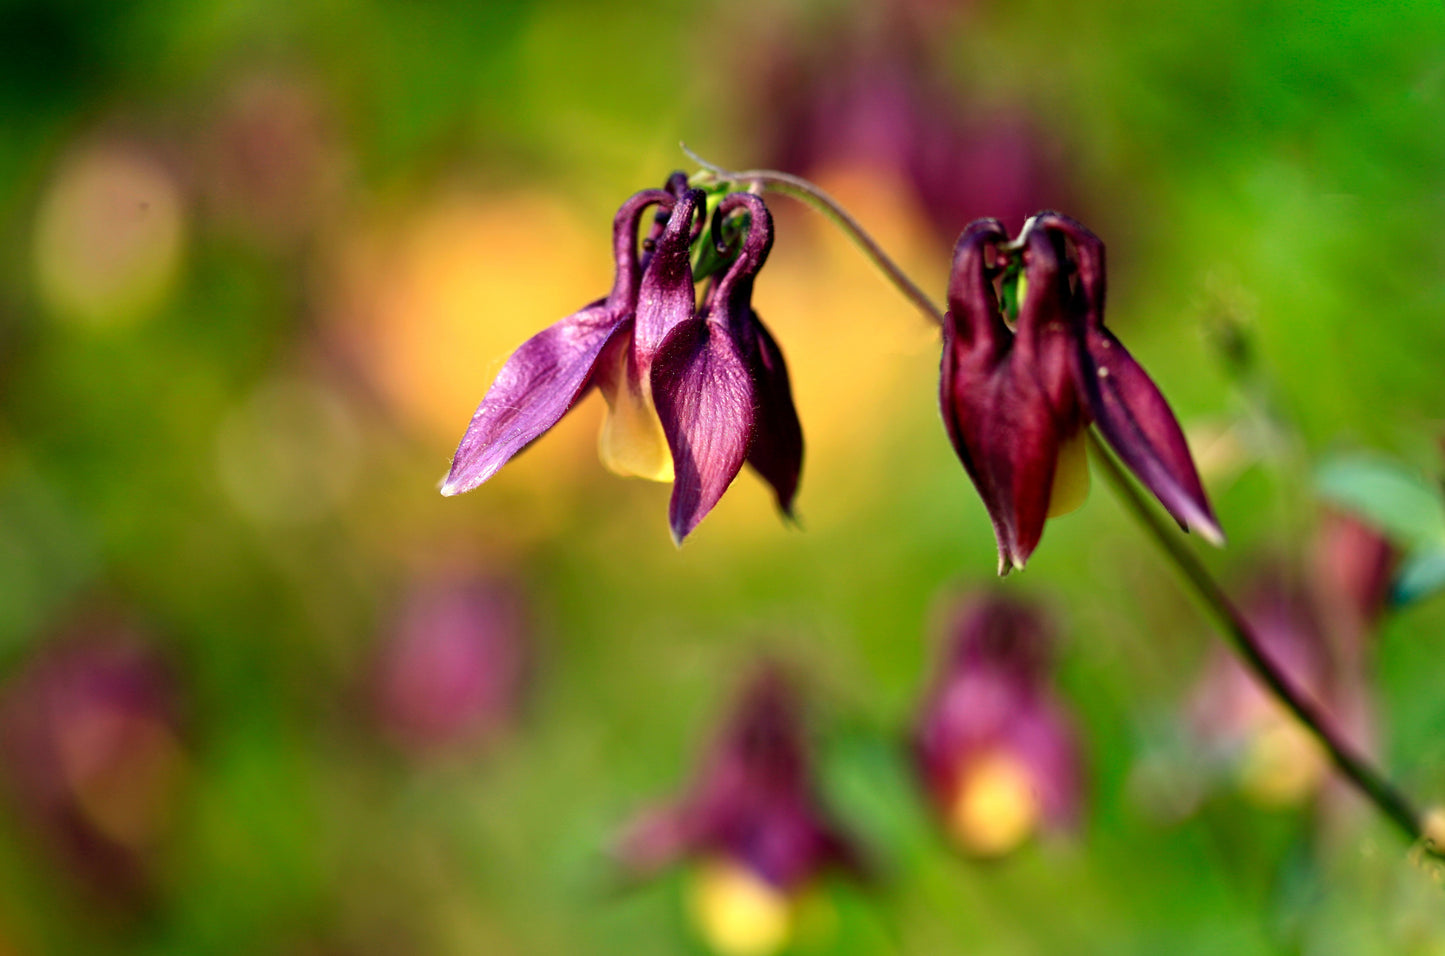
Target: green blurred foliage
[1274,167]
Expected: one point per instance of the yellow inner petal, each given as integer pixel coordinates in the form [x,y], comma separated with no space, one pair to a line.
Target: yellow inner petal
[632,441]
[996,806]
[1283,764]
[739,913]
[1071,475]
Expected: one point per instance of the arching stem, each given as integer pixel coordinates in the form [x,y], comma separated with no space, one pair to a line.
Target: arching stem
[806,192]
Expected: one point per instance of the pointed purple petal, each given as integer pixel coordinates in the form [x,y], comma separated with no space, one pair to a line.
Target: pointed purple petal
[539,384]
[704,397]
[777,449]
[1130,411]
[1137,422]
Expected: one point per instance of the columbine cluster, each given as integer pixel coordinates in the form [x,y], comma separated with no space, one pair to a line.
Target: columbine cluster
[693,391]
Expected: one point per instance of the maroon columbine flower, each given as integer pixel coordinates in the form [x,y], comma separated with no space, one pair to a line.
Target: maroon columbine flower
[692,393]
[994,748]
[752,824]
[1016,401]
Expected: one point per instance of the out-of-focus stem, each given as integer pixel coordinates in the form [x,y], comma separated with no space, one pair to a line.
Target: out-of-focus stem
[1366,778]
[806,192]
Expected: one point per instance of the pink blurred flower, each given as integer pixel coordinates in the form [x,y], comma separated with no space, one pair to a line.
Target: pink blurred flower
[995,749]
[751,823]
[876,94]
[1316,628]
[453,670]
[90,733]
[272,165]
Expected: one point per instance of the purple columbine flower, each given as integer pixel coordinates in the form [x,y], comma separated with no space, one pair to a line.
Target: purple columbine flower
[1316,625]
[1016,400]
[721,386]
[692,393]
[609,343]
[751,823]
[994,748]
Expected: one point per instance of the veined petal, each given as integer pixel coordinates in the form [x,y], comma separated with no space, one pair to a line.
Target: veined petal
[777,448]
[1004,432]
[1138,424]
[539,384]
[704,397]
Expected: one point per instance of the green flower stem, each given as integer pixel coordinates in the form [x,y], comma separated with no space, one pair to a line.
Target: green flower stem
[806,192]
[1369,781]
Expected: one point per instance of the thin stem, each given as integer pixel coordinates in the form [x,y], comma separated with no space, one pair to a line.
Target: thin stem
[1366,778]
[806,192]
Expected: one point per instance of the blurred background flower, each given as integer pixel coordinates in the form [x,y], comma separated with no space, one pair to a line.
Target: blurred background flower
[751,826]
[453,669]
[263,260]
[995,749]
[94,758]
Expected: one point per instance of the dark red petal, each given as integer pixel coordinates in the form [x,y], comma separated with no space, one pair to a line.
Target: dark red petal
[1137,422]
[704,397]
[777,448]
[998,414]
[539,384]
[1004,431]
[971,299]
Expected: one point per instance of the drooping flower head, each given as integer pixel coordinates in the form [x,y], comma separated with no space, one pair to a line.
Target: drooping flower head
[1016,399]
[554,369]
[750,822]
[994,748]
[692,393]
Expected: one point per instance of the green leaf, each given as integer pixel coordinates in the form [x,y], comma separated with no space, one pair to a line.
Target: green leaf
[1421,575]
[1401,502]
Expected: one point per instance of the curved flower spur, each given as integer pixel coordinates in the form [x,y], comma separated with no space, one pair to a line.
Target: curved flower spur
[1016,400]
[691,393]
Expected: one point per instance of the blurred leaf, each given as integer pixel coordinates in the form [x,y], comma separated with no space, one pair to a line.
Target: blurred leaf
[1400,501]
[1421,575]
